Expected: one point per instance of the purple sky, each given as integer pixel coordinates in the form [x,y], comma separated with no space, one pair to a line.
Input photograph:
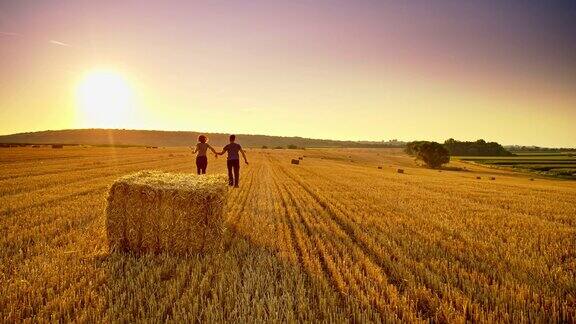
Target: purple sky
[229,53]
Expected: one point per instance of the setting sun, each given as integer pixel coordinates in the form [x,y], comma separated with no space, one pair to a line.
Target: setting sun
[105,99]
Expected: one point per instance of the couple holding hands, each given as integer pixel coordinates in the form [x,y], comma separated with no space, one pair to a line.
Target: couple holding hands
[233,161]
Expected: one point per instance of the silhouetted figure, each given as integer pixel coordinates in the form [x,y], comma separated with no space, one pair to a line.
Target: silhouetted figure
[233,161]
[201,158]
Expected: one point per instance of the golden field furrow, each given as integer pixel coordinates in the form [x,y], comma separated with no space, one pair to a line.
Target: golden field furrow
[446,235]
[66,176]
[98,160]
[39,195]
[331,239]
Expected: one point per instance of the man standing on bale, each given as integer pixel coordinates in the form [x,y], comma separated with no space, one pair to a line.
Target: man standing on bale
[233,161]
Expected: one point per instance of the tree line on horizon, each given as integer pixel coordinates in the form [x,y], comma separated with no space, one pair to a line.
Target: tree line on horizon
[435,154]
[476,148]
[463,148]
[538,149]
[126,138]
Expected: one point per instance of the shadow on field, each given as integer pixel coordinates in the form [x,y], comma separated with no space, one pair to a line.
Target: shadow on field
[246,281]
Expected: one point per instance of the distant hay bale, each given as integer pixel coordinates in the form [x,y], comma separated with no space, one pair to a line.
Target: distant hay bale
[154,212]
[478,178]
[531,179]
[400,170]
[300,158]
[295,161]
[492,178]
[57,146]
[379,168]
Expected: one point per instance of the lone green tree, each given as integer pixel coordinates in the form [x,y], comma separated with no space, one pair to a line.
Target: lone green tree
[433,154]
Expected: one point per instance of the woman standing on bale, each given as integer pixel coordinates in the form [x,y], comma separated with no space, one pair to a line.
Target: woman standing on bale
[201,158]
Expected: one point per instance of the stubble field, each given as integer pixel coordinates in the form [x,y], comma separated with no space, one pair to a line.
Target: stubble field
[332,239]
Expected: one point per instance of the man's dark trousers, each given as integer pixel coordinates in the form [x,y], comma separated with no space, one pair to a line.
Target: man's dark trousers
[233,166]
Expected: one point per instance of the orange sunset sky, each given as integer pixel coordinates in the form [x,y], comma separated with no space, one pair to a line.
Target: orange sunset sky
[362,70]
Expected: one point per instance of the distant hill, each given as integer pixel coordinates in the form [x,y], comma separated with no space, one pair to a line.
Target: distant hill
[172,138]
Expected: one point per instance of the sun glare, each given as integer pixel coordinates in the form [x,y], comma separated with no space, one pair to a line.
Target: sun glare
[105,99]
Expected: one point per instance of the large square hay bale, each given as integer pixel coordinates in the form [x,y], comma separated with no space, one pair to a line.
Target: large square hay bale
[154,212]
[294,161]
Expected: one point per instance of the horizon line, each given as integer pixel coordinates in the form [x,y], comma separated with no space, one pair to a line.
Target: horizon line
[285,136]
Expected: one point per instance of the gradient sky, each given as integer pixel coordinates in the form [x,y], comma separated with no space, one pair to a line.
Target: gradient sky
[363,70]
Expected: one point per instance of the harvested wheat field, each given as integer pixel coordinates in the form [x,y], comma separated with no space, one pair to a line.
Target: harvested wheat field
[328,240]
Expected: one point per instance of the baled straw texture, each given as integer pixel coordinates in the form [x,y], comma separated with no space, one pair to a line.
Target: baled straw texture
[154,212]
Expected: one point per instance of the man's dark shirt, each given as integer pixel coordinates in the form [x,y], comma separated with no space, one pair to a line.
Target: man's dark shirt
[233,150]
